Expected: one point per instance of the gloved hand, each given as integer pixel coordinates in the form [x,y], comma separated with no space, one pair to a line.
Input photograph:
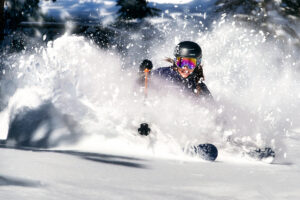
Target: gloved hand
[146,64]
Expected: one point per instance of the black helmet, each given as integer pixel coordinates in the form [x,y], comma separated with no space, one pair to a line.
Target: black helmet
[188,49]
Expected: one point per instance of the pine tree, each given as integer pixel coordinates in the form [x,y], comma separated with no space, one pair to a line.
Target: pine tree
[2,22]
[135,9]
[21,10]
[291,7]
[254,7]
[261,14]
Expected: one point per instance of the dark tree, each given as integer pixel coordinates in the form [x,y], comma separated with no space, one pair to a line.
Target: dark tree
[21,10]
[2,21]
[254,7]
[291,7]
[234,6]
[135,9]
[261,15]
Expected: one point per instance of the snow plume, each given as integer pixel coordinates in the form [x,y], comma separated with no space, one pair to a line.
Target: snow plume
[80,97]
[63,74]
[255,82]
[253,78]
[71,94]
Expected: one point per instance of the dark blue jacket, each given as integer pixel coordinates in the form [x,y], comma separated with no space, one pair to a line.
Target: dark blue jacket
[193,83]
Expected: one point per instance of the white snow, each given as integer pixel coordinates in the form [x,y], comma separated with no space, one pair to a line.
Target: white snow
[73,175]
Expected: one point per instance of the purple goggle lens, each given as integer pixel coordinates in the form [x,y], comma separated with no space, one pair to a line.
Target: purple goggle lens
[190,63]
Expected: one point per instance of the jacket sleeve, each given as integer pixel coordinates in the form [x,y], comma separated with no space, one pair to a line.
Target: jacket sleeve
[204,91]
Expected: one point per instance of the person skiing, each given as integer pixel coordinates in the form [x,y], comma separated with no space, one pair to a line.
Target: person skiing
[186,69]
[187,72]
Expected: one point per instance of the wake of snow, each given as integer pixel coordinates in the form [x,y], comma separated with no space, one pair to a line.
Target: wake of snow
[94,97]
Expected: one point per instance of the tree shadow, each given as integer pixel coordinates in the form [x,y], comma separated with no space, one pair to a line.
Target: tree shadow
[10,181]
[34,127]
[124,161]
[117,162]
[91,154]
[32,130]
[283,163]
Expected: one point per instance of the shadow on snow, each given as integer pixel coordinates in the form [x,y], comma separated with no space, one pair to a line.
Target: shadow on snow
[10,181]
[124,161]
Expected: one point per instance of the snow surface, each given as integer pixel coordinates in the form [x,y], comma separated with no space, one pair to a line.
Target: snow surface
[87,106]
[76,175]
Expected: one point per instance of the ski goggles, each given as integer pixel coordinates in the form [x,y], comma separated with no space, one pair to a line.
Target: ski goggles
[190,63]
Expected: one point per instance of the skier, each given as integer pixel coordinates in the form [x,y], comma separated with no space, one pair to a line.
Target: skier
[187,72]
[186,69]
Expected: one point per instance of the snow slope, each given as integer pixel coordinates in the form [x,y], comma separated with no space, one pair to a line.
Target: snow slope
[76,175]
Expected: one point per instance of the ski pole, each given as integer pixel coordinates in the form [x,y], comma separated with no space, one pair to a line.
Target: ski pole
[145,67]
[146,72]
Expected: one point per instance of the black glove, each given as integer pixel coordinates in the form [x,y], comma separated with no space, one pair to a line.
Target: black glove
[146,64]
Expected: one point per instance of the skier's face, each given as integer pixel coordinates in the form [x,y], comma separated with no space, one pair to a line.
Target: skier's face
[185,71]
[185,66]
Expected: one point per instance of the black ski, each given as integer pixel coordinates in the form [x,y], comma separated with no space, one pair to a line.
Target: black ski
[262,154]
[206,151]
[266,154]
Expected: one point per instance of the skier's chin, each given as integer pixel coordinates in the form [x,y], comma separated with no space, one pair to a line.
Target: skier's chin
[185,75]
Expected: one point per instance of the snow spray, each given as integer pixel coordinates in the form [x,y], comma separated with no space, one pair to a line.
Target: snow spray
[88,95]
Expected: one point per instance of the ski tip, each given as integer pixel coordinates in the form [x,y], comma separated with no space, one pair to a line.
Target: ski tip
[266,155]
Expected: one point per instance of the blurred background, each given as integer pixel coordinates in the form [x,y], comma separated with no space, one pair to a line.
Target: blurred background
[104,21]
